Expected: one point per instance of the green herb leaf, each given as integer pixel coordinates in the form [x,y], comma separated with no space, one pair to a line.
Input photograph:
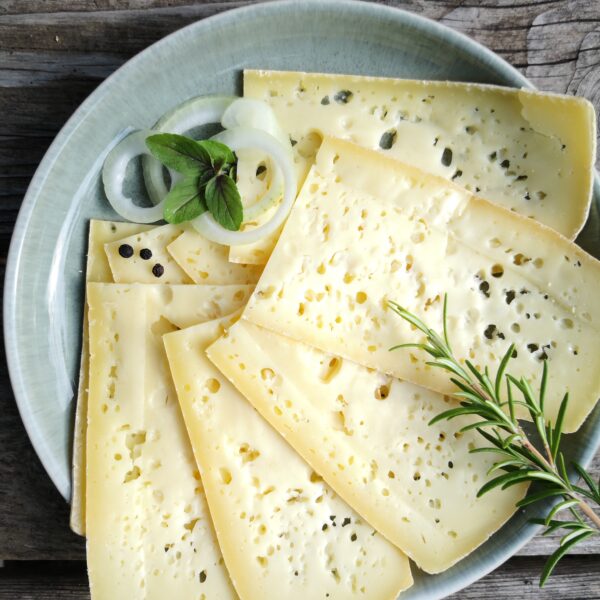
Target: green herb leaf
[589,481]
[224,202]
[502,369]
[560,552]
[186,200]
[557,431]
[179,153]
[221,156]
[568,503]
[538,496]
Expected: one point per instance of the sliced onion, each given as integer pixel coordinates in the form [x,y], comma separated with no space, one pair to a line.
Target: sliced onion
[269,198]
[195,112]
[247,137]
[247,112]
[113,178]
[274,191]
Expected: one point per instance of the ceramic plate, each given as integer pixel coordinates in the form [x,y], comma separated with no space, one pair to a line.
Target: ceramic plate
[45,274]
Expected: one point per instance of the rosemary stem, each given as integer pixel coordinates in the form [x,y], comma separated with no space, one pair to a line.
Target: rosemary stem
[529,446]
[590,514]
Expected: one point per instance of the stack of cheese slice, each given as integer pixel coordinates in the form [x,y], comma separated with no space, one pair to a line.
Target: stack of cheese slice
[528,151]
[282,530]
[148,527]
[139,494]
[366,230]
[106,265]
[368,435]
[286,451]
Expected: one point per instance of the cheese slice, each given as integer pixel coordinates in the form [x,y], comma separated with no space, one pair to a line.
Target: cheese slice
[283,532]
[207,262]
[366,230]
[367,434]
[529,151]
[148,527]
[149,261]
[98,269]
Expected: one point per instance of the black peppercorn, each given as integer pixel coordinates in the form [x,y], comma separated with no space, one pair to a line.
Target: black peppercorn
[125,250]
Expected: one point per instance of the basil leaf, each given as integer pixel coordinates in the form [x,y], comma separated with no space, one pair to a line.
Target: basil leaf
[220,154]
[224,202]
[186,200]
[179,153]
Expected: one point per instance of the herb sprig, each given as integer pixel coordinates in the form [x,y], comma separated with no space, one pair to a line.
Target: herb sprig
[492,401]
[208,184]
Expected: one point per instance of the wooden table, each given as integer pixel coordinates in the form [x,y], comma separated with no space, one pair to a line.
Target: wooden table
[53,53]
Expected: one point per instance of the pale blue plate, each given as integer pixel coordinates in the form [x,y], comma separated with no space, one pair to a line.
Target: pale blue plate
[44,279]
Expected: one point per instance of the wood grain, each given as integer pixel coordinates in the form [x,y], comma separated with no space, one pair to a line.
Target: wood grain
[54,53]
[575,578]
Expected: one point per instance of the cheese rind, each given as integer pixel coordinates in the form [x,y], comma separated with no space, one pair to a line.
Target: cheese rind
[529,151]
[148,527]
[208,263]
[279,526]
[97,269]
[368,435]
[366,230]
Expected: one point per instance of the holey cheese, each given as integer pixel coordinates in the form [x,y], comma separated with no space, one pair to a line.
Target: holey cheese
[147,523]
[528,151]
[143,257]
[366,230]
[175,254]
[97,269]
[283,532]
[207,262]
[367,434]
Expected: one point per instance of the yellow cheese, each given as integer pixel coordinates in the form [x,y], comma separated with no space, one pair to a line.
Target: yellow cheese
[532,152]
[148,527]
[207,262]
[158,268]
[258,252]
[367,434]
[283,532]
[528,151]
[366,230]
[98,269]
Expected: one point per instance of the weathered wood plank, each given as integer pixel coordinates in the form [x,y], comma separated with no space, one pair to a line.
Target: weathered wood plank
[33,516]
[554,42]
[576,577]
[128,30]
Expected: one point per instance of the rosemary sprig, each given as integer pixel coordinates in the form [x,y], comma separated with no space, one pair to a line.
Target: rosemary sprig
[481,395]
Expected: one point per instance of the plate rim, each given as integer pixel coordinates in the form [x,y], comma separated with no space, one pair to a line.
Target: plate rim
[400,17]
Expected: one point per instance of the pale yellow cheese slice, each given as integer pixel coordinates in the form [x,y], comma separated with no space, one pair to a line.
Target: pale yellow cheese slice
[98,269]
[283,532]
[147,522]
[366,229]
[367,434]
[207,262]
[160,267]
[529,151]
